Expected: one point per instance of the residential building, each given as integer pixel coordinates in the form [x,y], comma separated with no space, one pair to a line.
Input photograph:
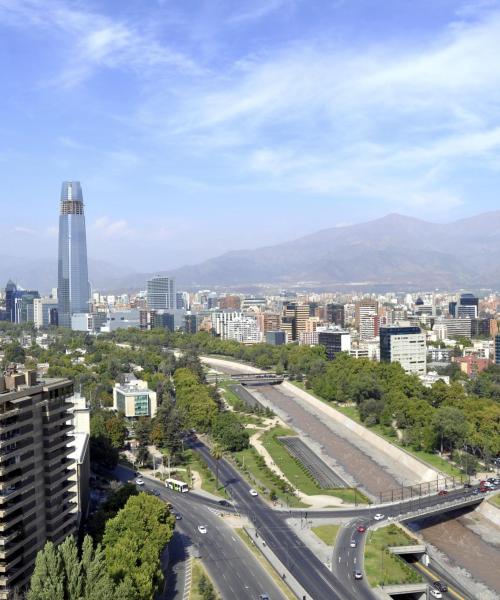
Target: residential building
[243,329]
[335,340]
[308,338]
[134,399]
[230,303]
[221,320]
[89,322]
[368,326]
[497,349]
[288,326]
[161,293]
[36,501]
[363,308]
[405,345]
[471,365]
[81,456]
[73,288]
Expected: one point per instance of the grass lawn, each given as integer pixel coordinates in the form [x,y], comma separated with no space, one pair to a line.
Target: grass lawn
[197,574]
[262,478]
[495,500]
[327,533]
[195,463]
[245,416]
[263,561]
[295,472]
[382,567]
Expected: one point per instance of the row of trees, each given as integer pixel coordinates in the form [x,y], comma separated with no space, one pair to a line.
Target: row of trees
[127,566]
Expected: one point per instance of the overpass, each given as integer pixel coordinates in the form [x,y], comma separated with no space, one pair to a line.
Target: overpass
[248,378]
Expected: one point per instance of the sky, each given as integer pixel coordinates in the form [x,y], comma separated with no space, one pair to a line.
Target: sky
[202,126]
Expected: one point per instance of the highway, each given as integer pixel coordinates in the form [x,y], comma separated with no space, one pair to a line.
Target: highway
[235,571]
[312,575]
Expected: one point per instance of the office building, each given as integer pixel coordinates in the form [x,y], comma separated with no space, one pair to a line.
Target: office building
[134,399]
[335,313]
[455,328]
[120,319]
[191,323]
[334,340]
[36,498]
[10,291]
[73,288]
[288,326]
[405,345]
[497,349]
[468,306]
[45,312]
[24,311]
[88,322]
[161,294]
[275,338]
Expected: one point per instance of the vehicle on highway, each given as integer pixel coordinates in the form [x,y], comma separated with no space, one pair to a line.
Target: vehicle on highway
[442,493]
[440,586]
[177,516]
[253,492]
[435,593]
[176,485]
[202,529]
[361,528]
[483,489]
[264,597]
[224,503]
[155,493]
[352,544]
[379,517]
[358,575]
[475,491]
[139,481]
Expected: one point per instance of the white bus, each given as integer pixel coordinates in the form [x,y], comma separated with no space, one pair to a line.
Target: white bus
[176,485]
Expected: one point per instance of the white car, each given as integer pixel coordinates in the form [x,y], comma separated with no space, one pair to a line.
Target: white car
[253,492]
[352,544]
[379,517]
[435,593]
[202,529]
[139,481]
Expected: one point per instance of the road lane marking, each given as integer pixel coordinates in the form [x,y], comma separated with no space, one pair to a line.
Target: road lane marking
[435,576]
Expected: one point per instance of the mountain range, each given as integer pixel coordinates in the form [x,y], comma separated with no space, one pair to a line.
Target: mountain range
[394,251]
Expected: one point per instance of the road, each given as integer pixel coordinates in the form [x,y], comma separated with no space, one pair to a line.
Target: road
[312,575]
[233,568]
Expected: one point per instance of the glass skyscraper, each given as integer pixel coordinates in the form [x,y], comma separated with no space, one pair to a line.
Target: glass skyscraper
[73,290]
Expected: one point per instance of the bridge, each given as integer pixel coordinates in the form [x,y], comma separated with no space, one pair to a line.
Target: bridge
[248,378]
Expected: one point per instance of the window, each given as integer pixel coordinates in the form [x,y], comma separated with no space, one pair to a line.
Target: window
[141,405]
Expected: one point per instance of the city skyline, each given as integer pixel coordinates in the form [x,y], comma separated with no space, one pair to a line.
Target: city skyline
[175,118]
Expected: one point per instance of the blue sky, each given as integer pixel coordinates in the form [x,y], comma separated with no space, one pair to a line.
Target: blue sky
[200,126]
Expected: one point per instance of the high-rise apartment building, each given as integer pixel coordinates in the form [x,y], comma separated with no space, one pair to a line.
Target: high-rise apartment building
[497,349]
[36,497]
[44,310]
[161,293]
[405,345]
[73,289]
[363,308]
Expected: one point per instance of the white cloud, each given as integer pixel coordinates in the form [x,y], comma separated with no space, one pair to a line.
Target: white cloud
[108,228]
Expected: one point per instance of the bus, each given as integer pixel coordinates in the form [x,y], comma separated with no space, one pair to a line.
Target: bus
[176,485]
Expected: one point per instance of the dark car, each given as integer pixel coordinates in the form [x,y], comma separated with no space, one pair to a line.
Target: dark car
[467,485]
[442,493]
[224,503]
[264,597]
[440,586]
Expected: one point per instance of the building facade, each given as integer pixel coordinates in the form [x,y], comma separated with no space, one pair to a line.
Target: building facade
[73,288]
[134,399]
[405,345]
[161,294]
[36,497]
[334,341]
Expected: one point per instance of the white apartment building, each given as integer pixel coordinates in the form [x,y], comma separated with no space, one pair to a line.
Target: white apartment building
[244,329]
[221,319]
[42,308]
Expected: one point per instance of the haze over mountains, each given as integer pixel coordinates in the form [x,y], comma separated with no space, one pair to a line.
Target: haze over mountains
[393,251]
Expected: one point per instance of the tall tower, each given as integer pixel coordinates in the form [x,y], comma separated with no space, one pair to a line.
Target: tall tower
[73,290]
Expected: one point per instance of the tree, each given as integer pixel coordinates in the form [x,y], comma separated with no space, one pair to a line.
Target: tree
[229,432]
[133,543]
[450,426]
[217,455]
[116,429]
[14,353]
[61,574]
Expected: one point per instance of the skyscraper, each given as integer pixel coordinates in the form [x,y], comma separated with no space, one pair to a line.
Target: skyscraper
[161,293]
[73,289]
